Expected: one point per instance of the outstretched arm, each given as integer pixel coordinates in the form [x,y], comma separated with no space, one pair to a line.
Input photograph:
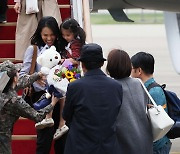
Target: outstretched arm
[27,80]
[18,106]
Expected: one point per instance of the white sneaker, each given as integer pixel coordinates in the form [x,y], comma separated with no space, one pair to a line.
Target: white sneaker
[3,22]
[60,132]
[45,123]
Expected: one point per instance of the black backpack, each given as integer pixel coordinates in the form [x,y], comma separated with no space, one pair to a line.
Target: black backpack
[173,104]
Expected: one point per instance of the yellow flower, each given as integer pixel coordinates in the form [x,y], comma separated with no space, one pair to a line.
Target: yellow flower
[69,74]
[71,80]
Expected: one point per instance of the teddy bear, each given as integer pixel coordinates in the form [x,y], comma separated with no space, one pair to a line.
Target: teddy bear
[58,75]
[48,59]
[58,78]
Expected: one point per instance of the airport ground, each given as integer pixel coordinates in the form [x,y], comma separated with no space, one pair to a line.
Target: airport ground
[148,38]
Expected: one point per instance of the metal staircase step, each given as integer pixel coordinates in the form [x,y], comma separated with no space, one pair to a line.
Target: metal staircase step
[8,24]
[11,59]
[60,6]
[24,137]
[7,41]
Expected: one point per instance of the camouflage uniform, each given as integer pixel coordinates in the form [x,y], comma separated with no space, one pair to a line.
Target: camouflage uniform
[12,107]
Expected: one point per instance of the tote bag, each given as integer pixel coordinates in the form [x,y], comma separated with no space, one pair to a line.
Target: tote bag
[161,123]
[31,6]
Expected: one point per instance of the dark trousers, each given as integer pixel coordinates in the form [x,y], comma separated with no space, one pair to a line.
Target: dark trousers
[45,137]
[59,144]
[44,140]
[3,7]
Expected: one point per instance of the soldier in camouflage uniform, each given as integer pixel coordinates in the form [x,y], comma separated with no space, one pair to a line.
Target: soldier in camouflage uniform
[12,106]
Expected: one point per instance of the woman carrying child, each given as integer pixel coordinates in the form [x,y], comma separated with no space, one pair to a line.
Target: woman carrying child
[74,37]
[46,34]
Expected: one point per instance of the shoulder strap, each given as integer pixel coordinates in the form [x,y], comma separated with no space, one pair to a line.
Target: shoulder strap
[155,84]
[34,57]
[145,89]
[152,85]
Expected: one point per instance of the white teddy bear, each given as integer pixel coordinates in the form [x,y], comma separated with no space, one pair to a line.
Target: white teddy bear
[48,59]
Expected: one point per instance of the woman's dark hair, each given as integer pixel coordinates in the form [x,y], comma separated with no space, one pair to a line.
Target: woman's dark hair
[10,82]
[73,26]
[52,24]
[118,64]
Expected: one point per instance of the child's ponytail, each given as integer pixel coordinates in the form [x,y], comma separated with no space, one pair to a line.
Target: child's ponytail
[82,35]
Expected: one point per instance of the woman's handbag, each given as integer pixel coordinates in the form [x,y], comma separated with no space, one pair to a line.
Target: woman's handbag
[31,6]
[161,123]
[29,93]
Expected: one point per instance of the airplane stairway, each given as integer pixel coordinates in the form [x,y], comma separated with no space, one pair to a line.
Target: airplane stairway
[24,133]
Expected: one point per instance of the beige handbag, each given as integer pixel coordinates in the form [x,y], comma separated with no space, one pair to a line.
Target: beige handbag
[31,6]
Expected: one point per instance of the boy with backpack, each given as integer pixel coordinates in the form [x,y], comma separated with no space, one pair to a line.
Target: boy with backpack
[143,68]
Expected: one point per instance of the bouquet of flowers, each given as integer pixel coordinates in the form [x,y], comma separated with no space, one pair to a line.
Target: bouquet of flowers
[67,71]
[60,75]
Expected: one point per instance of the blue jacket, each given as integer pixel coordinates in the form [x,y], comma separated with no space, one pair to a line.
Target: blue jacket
[91,107]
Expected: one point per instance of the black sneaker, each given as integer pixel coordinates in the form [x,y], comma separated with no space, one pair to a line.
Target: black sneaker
[3,18]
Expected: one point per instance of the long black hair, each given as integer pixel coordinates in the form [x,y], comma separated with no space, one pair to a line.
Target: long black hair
[52,24]
[73,26]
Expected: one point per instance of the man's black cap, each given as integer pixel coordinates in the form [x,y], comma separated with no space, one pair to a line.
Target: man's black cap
[91,53]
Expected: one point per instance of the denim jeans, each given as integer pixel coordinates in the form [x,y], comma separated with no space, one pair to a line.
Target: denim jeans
[165,149]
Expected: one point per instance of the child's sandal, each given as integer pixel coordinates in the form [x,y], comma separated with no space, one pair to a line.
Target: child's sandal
[60,132]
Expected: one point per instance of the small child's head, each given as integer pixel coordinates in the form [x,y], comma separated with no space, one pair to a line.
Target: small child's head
[71,30]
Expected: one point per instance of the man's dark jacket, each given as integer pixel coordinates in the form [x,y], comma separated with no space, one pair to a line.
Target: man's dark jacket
[91,107]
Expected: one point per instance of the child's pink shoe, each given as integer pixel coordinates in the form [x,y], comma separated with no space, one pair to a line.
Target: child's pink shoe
[60,132]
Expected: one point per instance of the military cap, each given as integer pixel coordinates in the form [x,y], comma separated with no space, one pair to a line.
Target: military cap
[10,68]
